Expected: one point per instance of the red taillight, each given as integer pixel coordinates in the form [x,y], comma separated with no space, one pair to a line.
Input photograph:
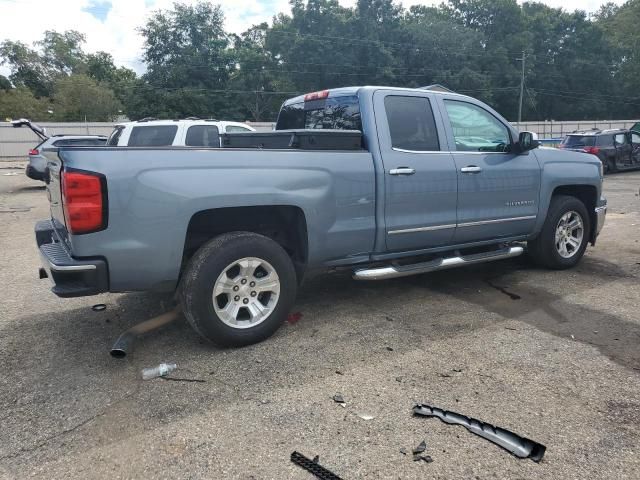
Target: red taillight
[83,199]
[34,151]
[592,150]
[316,95]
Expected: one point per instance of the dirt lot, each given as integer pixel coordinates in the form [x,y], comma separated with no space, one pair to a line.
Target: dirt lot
[554,356]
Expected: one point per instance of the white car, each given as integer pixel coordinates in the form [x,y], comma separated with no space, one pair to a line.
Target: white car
[177,133]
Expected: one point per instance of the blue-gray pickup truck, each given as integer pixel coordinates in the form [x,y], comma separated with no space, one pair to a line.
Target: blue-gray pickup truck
[384,181]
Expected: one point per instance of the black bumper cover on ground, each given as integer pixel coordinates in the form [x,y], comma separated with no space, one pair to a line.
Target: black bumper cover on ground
[71,277]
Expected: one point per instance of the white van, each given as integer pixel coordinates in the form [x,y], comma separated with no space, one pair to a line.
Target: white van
[177,133]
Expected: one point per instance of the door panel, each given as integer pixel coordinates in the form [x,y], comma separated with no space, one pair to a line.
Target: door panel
[498,191]
[420,180]
[623,149]
[635,145]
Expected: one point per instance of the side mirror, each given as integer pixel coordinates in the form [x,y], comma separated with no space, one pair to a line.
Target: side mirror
[527,141]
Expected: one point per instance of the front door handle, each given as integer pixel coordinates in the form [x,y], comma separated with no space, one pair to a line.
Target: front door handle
[402,171]
[471,169]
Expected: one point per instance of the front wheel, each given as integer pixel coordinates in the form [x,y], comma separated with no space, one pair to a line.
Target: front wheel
[564,236]
[238,289]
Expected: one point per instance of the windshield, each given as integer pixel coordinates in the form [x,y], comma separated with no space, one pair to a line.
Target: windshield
[575,141]
[339,113]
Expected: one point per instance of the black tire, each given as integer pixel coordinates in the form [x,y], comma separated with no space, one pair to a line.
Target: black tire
[543,249]
[202,272]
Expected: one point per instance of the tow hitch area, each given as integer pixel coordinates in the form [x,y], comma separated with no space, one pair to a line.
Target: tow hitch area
[519,446]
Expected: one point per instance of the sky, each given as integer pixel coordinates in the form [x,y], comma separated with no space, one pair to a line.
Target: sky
[110,25]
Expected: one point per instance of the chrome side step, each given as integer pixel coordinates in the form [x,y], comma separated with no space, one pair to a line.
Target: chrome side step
[395,271]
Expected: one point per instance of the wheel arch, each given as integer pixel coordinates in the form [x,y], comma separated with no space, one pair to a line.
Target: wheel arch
[285,224]
[588,195]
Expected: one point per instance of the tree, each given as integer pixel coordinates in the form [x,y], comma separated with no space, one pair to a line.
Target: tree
[5,84]
[27,68]
[78,97]
[256,80]
[62,52]
[21,103]
[188,60]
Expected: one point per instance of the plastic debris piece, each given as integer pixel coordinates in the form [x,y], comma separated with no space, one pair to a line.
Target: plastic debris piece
[420,448]
[390,349]
[518,446]
[313,467]
[425,458]
[338,398]
[99,307]
[365,416]
[160,371]
[293,318]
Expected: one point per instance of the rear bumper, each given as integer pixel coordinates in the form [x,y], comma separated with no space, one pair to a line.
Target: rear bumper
[71,277]
[33,173]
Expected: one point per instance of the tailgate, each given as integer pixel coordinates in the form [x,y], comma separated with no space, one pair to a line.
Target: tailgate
[54,191]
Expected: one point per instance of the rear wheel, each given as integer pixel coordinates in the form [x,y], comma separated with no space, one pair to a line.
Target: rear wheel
[564,236]
[238,289]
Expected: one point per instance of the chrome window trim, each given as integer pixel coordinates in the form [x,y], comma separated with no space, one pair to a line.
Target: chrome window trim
[402,150]
[466,224]
[418,151]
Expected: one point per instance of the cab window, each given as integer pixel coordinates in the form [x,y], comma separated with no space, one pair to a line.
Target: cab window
[236,128]
[475,129]
[152,136]
[411,123]
[203,136]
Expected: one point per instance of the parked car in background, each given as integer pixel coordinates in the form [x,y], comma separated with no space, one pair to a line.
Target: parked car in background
[176,133]
[38,162]
[617,149]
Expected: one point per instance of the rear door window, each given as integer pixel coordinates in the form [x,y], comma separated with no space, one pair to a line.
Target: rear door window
[604,140]
[621,139]
[152,135]
[203,136]
[411,123]
[338,113]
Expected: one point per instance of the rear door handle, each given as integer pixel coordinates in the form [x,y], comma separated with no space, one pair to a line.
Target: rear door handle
[402,171]
[471,169]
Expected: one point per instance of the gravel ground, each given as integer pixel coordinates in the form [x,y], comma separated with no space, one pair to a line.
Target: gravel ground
[554,356]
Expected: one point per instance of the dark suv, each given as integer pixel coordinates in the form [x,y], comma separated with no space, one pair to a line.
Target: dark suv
[617,149]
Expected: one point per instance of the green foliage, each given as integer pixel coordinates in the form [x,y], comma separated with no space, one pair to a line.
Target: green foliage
[5,83]
[189,63]
[79,97]
[21,103]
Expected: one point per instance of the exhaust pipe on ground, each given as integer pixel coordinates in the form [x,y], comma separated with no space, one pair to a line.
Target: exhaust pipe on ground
[124,344]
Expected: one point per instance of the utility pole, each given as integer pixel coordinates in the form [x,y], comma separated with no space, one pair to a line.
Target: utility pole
[524,56]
